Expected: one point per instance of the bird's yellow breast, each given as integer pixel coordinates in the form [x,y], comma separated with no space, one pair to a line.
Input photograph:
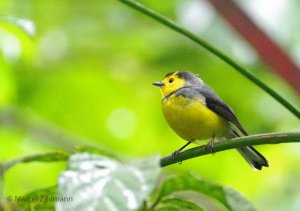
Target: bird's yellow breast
[192,120]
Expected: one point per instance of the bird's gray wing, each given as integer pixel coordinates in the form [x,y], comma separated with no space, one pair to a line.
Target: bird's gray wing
[214,103]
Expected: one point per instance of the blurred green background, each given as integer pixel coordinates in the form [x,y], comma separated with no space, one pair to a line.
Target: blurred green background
[83,71]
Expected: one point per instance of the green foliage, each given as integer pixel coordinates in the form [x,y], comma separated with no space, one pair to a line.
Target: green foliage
[48,157]
[94,150]
[96,182]
[42,199]
[177,203]
[229,198]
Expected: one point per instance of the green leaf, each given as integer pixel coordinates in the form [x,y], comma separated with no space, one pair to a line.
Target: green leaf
[42,199]
[99,183]
[94,150]
[47,157]
[231,199]
[236,200]
[178,203]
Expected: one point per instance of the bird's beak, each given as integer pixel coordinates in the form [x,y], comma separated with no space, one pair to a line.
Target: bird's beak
[158,83]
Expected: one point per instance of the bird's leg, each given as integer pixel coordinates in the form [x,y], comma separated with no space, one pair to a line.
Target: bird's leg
[210,145]
[174,154]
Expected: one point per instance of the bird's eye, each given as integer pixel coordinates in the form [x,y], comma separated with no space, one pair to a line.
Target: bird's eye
[171,80]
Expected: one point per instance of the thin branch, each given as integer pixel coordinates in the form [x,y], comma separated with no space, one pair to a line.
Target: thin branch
[270,138]
[172,25]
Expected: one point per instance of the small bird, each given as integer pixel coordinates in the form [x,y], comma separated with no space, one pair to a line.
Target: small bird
[195,112]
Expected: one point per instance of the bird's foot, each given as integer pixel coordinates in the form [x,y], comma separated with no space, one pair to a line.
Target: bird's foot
[175,154]
[210,146]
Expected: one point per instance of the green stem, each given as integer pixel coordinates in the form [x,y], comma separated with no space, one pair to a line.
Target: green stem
[213,50]
[270,138]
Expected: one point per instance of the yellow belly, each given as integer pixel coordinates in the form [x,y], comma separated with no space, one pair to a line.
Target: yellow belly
[192,120]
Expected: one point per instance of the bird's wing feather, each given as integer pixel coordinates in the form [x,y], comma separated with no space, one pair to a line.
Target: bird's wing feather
[214,103]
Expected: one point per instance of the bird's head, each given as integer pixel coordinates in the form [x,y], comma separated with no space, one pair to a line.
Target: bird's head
[176,80]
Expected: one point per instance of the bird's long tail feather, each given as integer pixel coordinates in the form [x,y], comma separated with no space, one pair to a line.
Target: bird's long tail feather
[253,157]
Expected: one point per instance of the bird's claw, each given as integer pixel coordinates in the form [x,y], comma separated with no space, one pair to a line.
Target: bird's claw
[210,146]
[175,154]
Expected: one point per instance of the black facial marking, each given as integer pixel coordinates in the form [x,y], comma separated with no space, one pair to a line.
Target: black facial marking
[171,73]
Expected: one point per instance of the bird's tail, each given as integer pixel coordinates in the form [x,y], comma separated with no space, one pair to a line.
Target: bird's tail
[251,155]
